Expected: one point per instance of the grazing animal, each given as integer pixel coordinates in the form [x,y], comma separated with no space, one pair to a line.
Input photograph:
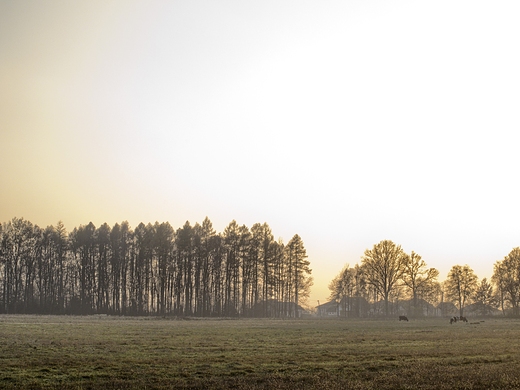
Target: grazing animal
[453,319]
[403,318]
[463,319]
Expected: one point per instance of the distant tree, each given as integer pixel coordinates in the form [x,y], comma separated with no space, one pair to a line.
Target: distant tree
[232,265]
[263,240]
[83,246]
[152,270]
[252,266]
[120,239]
[17,242]
[506,277]
[51,255]
[383,266]
[360,305]
[432,293]
[217,274]
[140,269]
[300,271]
[342,287]
[249,266]
[484,297]
[336,286]
[202,253]
[418,279]
[125,250]
[30,269]
[61,251]
[460,286]
[105,278]
[163,244]
[279,272]
[304,286]
[46,278]
[266,241]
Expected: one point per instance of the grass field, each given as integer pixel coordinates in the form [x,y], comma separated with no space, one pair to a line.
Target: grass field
[63,352]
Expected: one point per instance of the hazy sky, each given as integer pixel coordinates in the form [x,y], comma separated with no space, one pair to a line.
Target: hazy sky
[346,122]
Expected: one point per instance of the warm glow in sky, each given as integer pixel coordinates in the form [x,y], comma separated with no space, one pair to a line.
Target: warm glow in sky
[346,122]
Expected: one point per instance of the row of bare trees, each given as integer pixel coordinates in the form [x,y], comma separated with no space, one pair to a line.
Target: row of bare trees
[388,275]
[153,269]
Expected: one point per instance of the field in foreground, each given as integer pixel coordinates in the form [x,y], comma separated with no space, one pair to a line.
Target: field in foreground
[62,352]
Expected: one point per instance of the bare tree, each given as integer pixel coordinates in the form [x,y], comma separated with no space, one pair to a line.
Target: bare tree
[506,277]
[383,267]
[152,270]
[342,288]
[460,286]
[232,265]
[417,278]
[484,297]
[299,265]
[432,293]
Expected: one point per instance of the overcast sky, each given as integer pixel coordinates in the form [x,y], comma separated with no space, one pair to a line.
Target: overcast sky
[346,122]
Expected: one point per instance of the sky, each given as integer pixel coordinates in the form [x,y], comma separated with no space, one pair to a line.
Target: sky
[345,122]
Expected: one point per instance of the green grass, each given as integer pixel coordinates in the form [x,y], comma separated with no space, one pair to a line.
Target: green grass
[62,352]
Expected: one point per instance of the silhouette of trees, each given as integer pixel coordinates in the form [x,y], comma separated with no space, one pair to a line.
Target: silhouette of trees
[484,297]
[460,286]
[386,272]
[383,267]
[506,277]
[299,271]
[344,287]
[419,280]
[152,270]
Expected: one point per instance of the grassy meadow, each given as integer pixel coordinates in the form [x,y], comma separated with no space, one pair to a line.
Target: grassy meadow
[65,352]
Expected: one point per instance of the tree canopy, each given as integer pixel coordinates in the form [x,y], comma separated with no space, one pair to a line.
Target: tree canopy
[460,286]
[383,267]
[153,269]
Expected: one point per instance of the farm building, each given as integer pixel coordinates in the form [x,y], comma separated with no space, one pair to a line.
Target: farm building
[347,307]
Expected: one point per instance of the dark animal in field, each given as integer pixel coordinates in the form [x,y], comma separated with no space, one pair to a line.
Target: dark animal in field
[403,318]
[455,319]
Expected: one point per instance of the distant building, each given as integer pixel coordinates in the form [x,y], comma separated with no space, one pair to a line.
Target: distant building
[479,309]
[359,307]
[421,308]
[447,309]
[347,307]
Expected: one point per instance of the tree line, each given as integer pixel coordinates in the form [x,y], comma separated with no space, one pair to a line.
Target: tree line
[151,270]
[387,275]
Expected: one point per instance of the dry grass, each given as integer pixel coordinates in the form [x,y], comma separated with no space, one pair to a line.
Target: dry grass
[61,352]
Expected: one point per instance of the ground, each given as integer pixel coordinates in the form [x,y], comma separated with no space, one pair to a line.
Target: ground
[67,352]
